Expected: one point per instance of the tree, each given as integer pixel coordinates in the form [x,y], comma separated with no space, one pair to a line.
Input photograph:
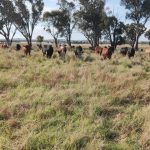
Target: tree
[89,19]
[147,35]
[113,30]
[7,30]
[25,15]
[68,23]
[40,39]
[54,23]
[139,13]
[131,32]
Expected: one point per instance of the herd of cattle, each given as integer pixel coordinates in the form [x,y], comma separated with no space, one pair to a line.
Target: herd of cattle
[48,50]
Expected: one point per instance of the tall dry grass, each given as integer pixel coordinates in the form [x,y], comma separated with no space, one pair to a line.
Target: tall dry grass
[74,104]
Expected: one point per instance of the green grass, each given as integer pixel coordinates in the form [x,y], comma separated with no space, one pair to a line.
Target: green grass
[50,104]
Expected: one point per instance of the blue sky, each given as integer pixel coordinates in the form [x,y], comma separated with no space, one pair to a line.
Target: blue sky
[114,6]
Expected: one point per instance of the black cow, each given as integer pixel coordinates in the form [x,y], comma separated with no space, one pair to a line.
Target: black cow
[127,51]
[18,47]
[78,51]
[50,51]
[131,52]
[124,51]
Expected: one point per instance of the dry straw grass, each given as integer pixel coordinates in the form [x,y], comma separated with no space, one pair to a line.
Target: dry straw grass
[76,104]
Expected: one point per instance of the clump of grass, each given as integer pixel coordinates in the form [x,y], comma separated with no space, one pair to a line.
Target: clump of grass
[13,123]
[5,114]
[79,143]
[107,132]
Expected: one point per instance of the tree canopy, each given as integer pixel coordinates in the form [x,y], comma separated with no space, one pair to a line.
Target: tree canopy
[89,18]
[113,30]
[139,13]
[24,15]
[7,29]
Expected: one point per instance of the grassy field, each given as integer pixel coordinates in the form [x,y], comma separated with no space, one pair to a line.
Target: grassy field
[89,104]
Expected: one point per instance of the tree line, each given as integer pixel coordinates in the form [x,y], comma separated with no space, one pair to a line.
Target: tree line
[87,16]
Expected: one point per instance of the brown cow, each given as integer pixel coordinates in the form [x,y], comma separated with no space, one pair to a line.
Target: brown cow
[107,52]
[98,50]
[26,49]
[3,45]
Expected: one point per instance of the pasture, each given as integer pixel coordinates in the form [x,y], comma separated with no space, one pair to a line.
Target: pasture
[89,104]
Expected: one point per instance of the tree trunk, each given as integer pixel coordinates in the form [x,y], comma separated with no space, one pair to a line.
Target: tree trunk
[69,40]
[8,41]
[137,43]
[56,42]
[69,43]
[29,41]
[95,42]
[96,39]
[91,42]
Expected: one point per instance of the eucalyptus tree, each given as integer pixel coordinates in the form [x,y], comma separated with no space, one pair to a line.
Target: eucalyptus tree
[147,35]
[40,39]
[131,32]
[54,21]
[68,23]
[90,19]
[7,29]
[24,15]
[113,30]
[139,13]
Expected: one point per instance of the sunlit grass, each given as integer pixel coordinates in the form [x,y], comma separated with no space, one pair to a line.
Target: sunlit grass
[74,104]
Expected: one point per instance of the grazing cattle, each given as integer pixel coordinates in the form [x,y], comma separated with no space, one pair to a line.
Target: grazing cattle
[18,47]
[62,51]
[127,51]
[124,51]
[4,45]
[98,50]
[78,51]
[26,49]
[50,51]
[131,52]
[107,52]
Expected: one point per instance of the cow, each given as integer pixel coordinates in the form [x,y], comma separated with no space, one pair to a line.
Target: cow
[78,51]
[50,51]
[98,50]
[26,49]
[62,51]
[127,51]
[18,47]
[4,45]
[124,51]
[131,52]
[107,52]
